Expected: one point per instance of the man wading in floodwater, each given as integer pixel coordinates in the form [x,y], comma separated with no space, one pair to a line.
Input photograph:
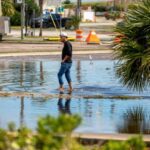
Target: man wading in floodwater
[66,63]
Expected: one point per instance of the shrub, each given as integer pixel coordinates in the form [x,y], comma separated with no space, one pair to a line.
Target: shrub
[73,22]
[112,15]
[16,19]
[55,134]
[135,143]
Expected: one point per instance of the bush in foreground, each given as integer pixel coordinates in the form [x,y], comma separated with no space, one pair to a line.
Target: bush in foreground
[55,134]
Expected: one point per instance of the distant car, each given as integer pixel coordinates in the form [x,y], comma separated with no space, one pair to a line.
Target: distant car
[49,20]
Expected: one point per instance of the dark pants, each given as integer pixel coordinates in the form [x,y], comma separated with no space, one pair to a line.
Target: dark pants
[64,69]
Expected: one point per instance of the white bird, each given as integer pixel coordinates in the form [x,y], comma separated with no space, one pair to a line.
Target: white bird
[90,57]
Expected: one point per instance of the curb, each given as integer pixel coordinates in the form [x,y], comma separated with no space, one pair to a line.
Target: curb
[53,53]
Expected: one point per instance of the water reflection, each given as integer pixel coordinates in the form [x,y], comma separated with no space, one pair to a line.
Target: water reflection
[64,108]
[99,115]
[21,73]
[112,109]
[78,69]
[22,76]
[41,73]
[41,76]
[135,120]
[22,111]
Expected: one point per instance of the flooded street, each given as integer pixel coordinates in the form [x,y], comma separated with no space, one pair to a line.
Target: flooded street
[99,115]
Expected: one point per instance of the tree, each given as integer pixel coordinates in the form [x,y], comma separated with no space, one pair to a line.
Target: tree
[7,7]
[0,8]
[68,5]
[67,2]
[133,53]
[30,6]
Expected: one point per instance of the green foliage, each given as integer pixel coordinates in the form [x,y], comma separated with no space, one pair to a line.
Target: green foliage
[73,22]
[16,19]
[68,4]
[99,8]
[133,52]
[3,139]
[7,7]
[135,143]
[49,128]
[52,133]
[112,15]
[116,146]
[102,6]
[30,6]
[92,4]
[55,134]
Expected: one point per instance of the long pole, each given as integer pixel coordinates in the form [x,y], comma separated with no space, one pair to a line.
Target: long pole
[33,22]
[78,11]
[60,18]
[41,14]
[22,18]
[26,19]
[0,8]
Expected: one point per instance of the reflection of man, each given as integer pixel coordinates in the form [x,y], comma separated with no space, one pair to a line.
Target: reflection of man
[64,109]
[66,62]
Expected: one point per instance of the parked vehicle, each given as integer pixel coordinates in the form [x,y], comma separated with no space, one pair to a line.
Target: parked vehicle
[49,20]
[4,26]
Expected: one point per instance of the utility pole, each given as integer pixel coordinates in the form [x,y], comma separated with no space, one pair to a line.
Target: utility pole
[60,23]
[114,5]
[78,10]
[41,14]
[22,18]
[26,19]
[0,8]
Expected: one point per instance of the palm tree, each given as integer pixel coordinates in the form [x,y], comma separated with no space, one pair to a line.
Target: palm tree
[69,5]
[7,7]
[133,53]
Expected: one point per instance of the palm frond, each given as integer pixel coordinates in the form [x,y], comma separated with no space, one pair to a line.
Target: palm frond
[133,53]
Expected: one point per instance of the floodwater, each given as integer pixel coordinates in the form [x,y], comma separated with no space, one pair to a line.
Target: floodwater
[103,115]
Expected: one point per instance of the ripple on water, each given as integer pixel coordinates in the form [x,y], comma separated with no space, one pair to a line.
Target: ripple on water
[98,115]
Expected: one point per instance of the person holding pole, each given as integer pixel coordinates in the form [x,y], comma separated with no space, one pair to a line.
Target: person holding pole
[66,63]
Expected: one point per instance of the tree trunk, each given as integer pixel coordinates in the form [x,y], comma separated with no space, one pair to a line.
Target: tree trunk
[0,8]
